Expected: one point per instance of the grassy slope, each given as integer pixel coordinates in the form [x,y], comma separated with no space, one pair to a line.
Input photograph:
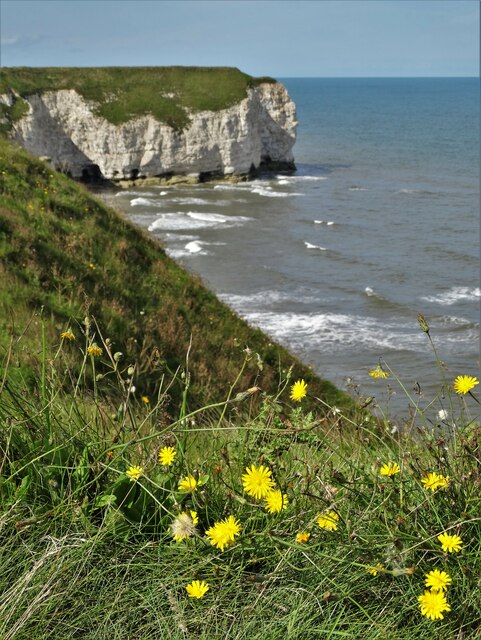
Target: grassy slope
[65,252]
[120,93]
[88,554]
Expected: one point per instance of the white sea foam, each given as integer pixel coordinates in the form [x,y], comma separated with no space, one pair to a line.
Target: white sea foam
[134,193]
[454,295]
[267,298]
[233,187]
[193,247]
[330,223]
[298,178]
[314,246]
[330,332]
[195,220]
[163,193]
[318,221]
[282,181]
[358,189]
[144,202]
[189,200]
[267,191]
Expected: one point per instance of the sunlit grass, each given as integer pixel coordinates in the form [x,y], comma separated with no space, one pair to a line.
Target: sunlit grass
[102,537]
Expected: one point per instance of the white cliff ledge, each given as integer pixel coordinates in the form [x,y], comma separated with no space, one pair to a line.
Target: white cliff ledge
[258,131]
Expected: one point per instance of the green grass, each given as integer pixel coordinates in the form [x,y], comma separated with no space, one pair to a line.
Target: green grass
[88,553]
[122,93]
[65,255]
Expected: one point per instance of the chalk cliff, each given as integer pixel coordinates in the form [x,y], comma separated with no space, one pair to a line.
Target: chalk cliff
[258,131]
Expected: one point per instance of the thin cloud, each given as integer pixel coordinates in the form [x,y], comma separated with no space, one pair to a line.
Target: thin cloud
[23,41]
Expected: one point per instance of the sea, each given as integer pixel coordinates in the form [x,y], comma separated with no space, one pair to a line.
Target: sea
[335,261]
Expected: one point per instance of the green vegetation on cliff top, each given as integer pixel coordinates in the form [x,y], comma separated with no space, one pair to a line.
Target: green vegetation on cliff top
[122,93]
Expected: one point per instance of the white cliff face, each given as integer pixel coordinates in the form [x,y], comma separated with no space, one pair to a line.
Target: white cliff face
[260,129]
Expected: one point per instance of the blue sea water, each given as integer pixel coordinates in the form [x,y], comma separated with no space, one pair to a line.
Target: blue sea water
[379,223]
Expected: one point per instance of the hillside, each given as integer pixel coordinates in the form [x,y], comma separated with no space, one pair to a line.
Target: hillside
[64,255]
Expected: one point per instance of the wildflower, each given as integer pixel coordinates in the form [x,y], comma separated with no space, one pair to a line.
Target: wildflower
[167,455]
[377,568]
[134,473]
[145,400]
[438,580]
[92,266]
[463,384]
[378,372]
[302,537]
[449,543]
[257,481]
[389,469]
[197,589]
[222,534]
[298,390]
[188,484]
[328,521]
[184,525]
[443,414]
[433,603]
[275,501]
[94,350]
[67,335]
[435,481]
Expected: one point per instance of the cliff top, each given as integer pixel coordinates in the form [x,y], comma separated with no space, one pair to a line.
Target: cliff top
[121,93]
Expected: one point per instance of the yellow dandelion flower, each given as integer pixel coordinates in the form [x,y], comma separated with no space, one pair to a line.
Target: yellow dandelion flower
[92,266]
[184,525]
[167,455]
[377,568]
[450,544]
[134,473]
[222,534]
[275,501]
[94,350]
[378,372]
[197,589]
[302,537]
[390,469]
[443,481]
[463,384]
[435,481]
[438,580]
[257,481]
[328,521]
[188,484]
[145,400]
[298,390]
[67,335]
[433,603]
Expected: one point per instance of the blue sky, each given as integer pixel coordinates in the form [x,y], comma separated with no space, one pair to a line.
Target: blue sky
[281,38]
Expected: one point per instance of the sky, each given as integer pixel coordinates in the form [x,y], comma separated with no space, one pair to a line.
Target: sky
[280,38]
